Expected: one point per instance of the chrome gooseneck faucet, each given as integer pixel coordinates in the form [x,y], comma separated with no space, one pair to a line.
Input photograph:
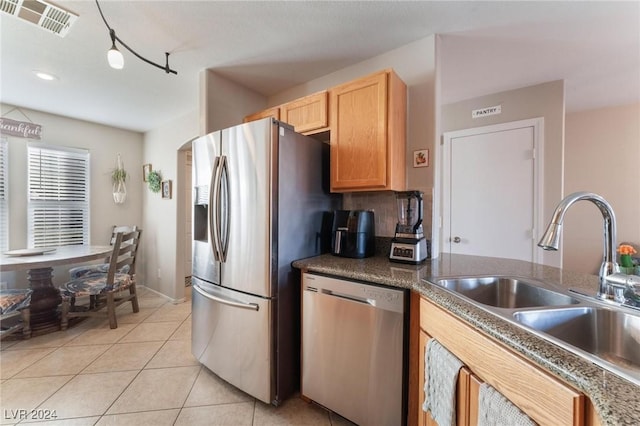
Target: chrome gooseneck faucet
[551,240]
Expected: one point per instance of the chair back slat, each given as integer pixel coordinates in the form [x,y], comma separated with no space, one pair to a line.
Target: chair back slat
[121,228]
[125,248]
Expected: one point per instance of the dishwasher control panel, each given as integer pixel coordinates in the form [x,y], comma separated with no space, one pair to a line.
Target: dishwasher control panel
[381,297]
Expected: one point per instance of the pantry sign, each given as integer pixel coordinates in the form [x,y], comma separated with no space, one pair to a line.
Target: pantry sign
[21,129]
[484,112]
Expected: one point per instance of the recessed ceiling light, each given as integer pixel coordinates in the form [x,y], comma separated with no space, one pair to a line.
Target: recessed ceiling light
[45,75]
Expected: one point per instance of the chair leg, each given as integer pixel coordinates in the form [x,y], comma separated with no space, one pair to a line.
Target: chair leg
[26,323]
[111,310]
[134,300]
[64,314]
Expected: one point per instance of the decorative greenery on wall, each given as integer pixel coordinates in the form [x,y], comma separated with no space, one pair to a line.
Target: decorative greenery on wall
[155,178]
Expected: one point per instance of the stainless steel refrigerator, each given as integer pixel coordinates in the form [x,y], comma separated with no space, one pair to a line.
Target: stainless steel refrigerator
[259,198]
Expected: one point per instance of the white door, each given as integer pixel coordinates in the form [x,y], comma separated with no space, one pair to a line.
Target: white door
[490,202]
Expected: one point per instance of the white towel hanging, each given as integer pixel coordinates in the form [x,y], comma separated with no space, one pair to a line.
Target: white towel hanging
[496,410]
[441,371]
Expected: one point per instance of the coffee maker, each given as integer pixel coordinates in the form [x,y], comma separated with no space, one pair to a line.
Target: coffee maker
[409,245]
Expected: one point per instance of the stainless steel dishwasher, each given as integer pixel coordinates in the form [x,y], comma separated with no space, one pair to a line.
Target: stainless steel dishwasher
[354,340]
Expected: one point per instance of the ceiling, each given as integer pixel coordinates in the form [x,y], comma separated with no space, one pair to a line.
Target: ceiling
[270,46]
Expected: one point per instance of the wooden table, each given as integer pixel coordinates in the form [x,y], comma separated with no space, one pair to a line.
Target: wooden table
[45,297]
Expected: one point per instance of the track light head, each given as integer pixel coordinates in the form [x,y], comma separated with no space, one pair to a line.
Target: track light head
[114,56]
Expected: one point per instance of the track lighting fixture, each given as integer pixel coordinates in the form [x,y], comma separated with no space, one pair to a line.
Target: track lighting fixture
[114,56]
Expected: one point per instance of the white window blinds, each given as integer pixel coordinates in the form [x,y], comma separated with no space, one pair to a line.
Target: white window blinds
[58,196]
[4,196]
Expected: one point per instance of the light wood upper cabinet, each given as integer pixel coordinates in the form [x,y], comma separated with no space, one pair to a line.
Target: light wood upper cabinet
[271,112]
[307,115]
[368,134]
[544,398]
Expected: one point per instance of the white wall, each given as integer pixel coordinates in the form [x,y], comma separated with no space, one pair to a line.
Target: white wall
[602,152]
[224,103]
[543,100]
[103,143]
[160,216]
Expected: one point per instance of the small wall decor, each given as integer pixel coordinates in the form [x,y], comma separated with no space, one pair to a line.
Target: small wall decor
[146,169]
[421,158]
[118,178]
[154,178]
[166,189]
[20,129]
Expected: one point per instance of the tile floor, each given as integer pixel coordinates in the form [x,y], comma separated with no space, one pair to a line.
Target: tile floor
[141,373]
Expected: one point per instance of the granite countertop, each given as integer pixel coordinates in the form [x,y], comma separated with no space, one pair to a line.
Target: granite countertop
[616,400]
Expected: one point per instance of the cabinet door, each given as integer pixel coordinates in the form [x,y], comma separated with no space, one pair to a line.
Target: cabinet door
[359,134]
[368,134]
[271,112]
[462,397]
[474,392]
[307,115]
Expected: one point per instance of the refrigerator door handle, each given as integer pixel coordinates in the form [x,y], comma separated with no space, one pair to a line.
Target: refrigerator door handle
[224,238]
[214,209]
[224,301]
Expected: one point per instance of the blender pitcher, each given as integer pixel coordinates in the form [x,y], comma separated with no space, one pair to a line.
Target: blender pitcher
[409,212]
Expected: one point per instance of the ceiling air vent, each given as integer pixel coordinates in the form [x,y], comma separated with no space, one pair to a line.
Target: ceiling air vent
[43,14]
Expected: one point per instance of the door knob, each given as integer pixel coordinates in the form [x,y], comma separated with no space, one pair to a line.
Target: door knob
[456,240]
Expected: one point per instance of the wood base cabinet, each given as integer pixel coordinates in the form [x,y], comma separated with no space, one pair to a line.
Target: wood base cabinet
[462,396]
[541,396]
[368,134]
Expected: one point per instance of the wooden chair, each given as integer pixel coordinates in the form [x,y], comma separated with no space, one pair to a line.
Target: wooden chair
[104,289]
[102,268]
[14,303]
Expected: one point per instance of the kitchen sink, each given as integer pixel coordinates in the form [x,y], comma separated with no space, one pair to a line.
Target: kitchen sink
[604,335]
[505,292]
[611,335]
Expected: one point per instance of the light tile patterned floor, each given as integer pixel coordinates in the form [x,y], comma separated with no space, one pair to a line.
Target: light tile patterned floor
[141,373]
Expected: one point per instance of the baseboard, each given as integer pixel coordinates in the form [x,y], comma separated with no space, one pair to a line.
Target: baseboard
[170,299]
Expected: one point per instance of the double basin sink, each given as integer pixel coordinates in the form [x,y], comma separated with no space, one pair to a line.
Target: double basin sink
[605,335]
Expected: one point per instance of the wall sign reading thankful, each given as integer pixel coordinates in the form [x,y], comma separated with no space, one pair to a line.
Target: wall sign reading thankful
[21,129]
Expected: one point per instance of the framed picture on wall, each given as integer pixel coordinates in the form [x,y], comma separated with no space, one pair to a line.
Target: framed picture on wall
[146,169]
[166,189]
[421,158]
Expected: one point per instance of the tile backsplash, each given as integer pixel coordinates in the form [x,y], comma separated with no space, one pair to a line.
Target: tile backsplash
[384,207]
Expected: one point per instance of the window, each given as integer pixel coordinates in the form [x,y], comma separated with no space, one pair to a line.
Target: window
[58,196]
[4,196]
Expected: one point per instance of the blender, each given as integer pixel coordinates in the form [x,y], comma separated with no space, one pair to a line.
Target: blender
[409,245]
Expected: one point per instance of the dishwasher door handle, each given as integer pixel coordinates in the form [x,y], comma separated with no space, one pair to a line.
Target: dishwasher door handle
[357,299]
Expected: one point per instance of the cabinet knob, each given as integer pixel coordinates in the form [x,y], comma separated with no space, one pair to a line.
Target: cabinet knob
[456,240]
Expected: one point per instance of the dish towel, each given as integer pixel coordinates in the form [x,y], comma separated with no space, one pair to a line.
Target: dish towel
[496,410]
[442,368]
